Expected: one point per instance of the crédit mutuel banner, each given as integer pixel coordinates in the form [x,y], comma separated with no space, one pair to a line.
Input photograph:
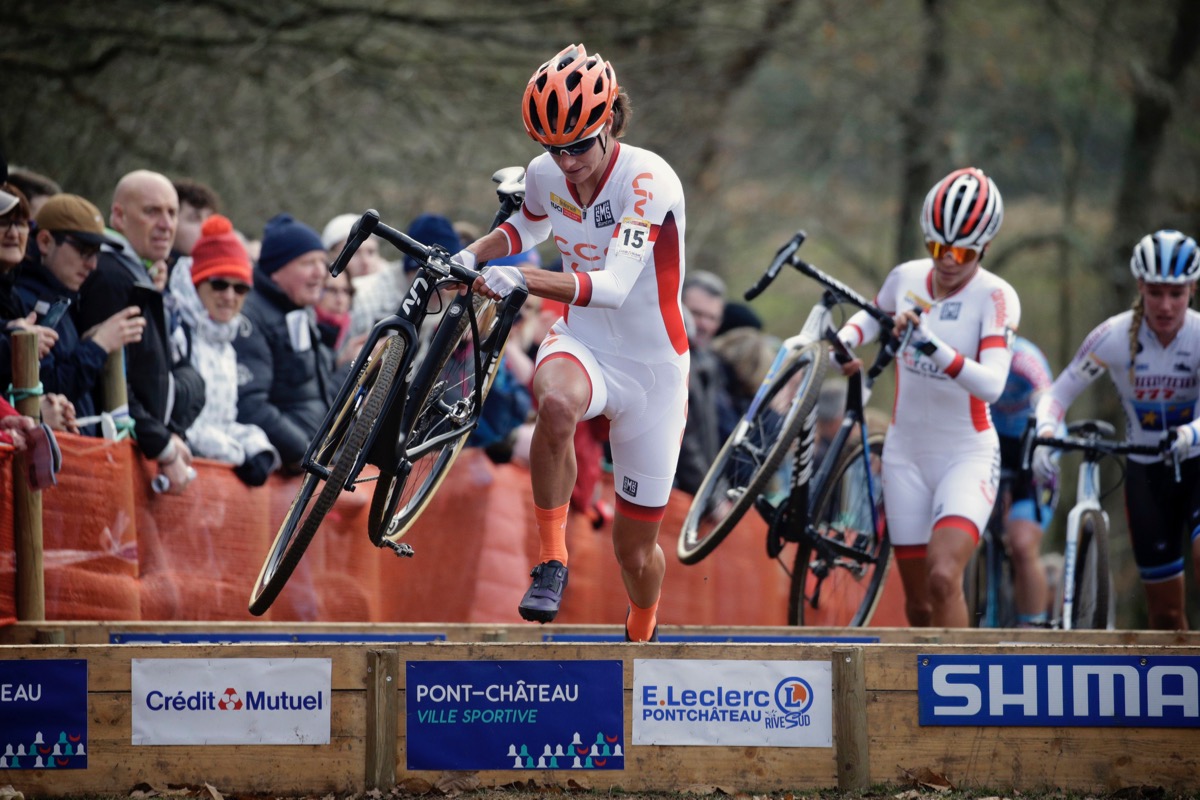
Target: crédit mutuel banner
[231,701]
[753,703]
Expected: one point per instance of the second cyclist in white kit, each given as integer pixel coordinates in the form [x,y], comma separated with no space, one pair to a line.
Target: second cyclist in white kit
[941,460]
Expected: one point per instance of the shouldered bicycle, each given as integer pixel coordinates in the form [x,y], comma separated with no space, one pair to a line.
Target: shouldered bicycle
[836,516]
[1084,598]
[408,417]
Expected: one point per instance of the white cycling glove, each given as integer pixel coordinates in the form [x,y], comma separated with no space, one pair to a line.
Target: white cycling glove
[925,340]
[1045,460]
[502,280]
[1185,439]
[465,258]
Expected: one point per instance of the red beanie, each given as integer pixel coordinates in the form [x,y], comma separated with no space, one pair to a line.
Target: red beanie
[219,253]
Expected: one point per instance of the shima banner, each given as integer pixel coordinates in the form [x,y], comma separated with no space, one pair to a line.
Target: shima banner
[231,700]
[752,703]
[1145,691]
[43,714]
[515,715]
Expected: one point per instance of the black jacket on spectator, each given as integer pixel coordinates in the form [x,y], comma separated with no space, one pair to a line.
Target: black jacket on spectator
[73,367]
[284,388]
[165,391]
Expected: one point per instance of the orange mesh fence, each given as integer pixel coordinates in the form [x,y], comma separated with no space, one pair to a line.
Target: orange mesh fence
[114,550]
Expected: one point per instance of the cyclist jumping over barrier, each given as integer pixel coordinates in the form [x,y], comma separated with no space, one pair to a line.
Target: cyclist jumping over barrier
[616,213]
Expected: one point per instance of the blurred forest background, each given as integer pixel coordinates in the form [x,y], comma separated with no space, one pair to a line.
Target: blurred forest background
[833,116]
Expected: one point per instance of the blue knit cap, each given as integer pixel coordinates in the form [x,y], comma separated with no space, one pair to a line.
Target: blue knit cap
[432,229]
[285,239]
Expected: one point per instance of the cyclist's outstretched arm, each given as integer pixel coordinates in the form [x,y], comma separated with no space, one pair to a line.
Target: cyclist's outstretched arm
[1089,363]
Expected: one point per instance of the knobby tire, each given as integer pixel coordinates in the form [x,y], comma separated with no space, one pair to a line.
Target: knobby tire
[846,587]
[341,447]
[1092,582]
[743,469]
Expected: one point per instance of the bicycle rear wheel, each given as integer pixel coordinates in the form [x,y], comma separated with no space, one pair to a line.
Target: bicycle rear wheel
[753,454]
[441,402]
[333,461]
[841,589]
[1092,581]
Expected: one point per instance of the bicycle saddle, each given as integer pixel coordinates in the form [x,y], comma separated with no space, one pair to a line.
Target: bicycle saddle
[1092,427]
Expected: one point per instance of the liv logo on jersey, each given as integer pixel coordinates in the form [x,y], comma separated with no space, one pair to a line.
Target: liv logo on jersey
[1088,690]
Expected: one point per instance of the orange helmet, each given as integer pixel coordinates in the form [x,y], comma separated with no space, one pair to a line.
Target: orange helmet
[569,98]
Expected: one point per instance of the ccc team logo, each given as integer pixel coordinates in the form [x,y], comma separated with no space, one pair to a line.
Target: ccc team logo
[793,696]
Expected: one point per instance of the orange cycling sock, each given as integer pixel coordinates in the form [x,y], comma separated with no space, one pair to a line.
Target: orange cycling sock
[641,622]
[552,531]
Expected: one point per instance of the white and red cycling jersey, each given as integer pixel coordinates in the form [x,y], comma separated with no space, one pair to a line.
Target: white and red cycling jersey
[1160,389]
[947,394]
[624,327]
[941,459]
[624,247]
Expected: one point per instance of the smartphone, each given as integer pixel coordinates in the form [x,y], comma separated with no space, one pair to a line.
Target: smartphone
[55,312]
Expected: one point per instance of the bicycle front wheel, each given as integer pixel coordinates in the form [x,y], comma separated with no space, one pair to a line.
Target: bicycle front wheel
[843,557]
[332,463]
[1092,581]
[440,405]
[751,457]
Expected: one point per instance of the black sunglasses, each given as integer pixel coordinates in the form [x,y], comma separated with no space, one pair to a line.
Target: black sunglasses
[574,149]
[220,285]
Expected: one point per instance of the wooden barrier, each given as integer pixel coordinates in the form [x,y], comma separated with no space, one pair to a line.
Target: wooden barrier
[875,717]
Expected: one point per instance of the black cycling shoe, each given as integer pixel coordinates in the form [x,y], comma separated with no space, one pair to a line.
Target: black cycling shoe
[653,634]
[540,603]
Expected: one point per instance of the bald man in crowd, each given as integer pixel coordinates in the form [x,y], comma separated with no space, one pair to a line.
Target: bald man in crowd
[165,391]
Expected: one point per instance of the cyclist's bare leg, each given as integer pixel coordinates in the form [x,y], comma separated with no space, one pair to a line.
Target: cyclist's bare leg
[562,390]
[635,543]
[950,549]
[914,574]
[1023,540]
[1165,604]
[643,565]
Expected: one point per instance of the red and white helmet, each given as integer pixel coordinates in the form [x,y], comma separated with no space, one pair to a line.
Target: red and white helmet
[569,98]
[963,209]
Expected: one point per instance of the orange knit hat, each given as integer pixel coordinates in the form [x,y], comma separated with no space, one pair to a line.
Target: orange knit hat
[219,253]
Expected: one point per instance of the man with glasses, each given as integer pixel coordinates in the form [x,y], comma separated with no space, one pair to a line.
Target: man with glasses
[70,233]
[165,392]
[941,462]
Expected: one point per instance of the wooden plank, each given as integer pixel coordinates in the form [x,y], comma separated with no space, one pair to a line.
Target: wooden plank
[850,741]
[383,708]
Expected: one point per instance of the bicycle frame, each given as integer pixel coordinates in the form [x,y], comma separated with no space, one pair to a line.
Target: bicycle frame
[434,273]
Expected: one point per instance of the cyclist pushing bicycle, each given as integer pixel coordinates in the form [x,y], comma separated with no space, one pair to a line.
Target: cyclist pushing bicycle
[616,213]
[1152,355]
[941,457]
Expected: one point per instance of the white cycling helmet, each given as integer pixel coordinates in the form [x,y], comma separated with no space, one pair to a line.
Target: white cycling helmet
[1166,256]
[963,209]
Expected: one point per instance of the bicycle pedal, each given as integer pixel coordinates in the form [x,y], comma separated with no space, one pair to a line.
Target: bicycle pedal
[400,549]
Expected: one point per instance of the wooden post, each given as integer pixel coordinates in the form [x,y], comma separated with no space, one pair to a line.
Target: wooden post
[383,706]
[27,511]
[850,719]
[115,395]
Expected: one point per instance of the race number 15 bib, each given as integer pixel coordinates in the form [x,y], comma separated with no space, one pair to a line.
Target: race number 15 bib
[632,239]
